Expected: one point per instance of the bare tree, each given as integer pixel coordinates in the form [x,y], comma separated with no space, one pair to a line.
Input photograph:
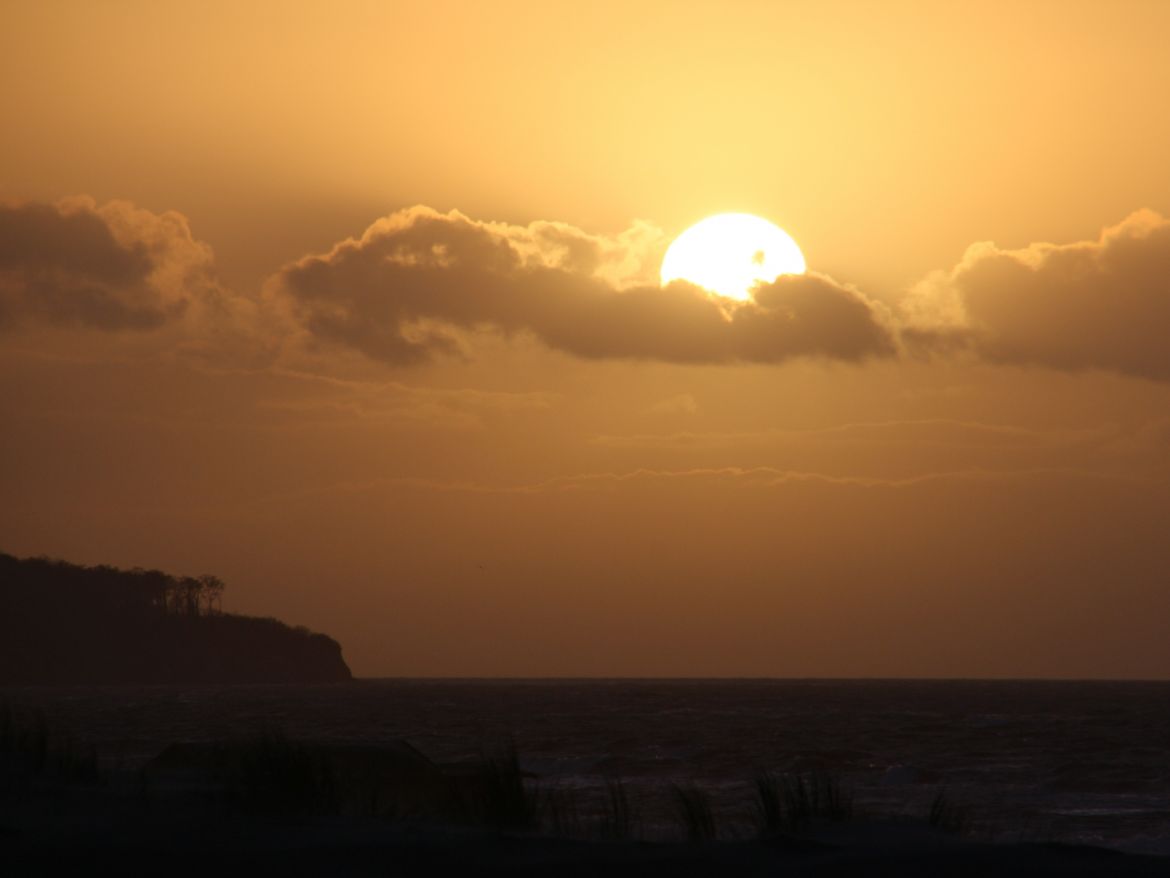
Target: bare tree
[212,593]
[189,591]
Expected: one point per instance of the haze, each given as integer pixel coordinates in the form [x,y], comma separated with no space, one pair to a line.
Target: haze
[356,306]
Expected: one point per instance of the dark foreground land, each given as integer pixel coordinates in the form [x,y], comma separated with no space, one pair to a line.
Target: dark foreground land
[268,806]
[348,847]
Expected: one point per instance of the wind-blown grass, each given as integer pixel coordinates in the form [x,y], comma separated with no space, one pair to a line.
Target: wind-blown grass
[693,807]
[274,775]
[786,803]
[619,821]
[29,750]
[770,816]
[499,796]
[948,815]
[617,817]
[560,814]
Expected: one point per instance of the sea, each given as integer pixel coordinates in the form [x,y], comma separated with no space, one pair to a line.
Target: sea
[1078,762]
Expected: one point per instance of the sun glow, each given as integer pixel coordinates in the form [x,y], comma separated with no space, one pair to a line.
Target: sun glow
[730,253]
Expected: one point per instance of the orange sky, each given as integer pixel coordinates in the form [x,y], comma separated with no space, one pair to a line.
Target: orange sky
[476,437]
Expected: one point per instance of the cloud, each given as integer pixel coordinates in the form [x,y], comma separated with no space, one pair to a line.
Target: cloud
[1101,304]
[418,280]
[113,267]
[419,285]
[119,271]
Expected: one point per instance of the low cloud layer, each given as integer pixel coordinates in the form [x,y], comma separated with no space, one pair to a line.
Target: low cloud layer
[1101,304]
[115,267]
[118,282]
[418,285]
[404,291]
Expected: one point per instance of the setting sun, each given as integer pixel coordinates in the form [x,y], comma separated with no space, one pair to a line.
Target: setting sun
[730,253]
[436,415]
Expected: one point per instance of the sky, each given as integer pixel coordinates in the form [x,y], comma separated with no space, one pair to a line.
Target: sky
[357,306]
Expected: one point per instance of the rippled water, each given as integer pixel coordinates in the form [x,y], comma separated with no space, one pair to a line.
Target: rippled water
[1073,761]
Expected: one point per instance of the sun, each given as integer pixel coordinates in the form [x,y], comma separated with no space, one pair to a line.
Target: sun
[730,253]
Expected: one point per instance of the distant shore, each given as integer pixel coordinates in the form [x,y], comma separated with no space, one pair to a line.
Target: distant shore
[64,624]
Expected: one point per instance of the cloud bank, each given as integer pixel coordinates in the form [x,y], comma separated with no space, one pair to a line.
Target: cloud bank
[110,268]
[132,282]
[418,284]
[404,291]
[1101,304]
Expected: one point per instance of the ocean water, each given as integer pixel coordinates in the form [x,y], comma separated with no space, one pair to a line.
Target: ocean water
[1063,761]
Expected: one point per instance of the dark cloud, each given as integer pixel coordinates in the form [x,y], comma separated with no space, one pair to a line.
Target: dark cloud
[63,265]
[86,270]
[418,283]
[398,293]
[1101,304]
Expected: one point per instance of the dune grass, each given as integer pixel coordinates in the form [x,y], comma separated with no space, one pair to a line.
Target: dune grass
[500,797]
[269,774]
[785,803]
[620,820]
[30,751]
[693,808]
[948,815]
[616,816]
[273,775]
[560,813]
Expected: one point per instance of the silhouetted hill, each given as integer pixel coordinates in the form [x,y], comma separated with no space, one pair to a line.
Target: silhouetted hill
[63,623]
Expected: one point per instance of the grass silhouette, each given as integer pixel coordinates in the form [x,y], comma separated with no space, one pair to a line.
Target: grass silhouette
[499,796]
[948,815]
[784,804]
[693,808]
[270,775]
[273,775]
[30,753]
[620,819]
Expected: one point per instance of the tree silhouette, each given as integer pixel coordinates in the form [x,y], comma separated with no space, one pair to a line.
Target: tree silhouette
[212,593]
[65,623]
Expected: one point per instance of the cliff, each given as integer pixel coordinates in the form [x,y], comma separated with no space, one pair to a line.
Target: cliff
[62,623]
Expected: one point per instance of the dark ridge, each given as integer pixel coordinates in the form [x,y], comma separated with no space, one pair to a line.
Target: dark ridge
[65,624]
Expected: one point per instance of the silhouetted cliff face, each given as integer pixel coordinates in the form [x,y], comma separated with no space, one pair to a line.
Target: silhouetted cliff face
[61,623]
